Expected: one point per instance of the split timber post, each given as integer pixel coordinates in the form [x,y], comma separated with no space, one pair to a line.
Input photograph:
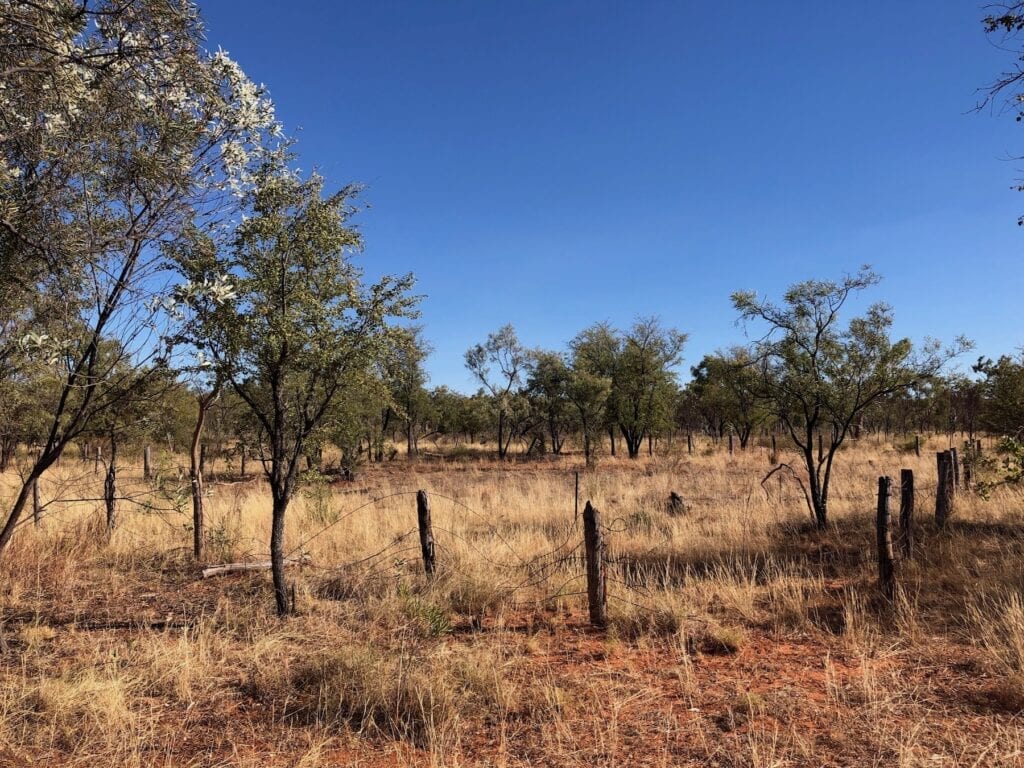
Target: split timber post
[944,489]
[955,456]
[426,531]
[37,507]
[689,443]
[730,443]
[886,564]
[597,597]
[917,445]
[147,465]
[907,513]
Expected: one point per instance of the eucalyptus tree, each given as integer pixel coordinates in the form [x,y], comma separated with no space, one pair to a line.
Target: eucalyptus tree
[499,364]
[547,388]
[644,383]
[294,325]
[817,376]
[407,382]
[119,135]
[1002,387]
[725,387]
[595,353]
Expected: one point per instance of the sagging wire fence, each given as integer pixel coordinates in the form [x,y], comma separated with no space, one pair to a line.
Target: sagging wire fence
[580,554]
[579,562]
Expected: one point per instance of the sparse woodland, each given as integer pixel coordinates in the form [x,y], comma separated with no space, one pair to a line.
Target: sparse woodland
[240,527]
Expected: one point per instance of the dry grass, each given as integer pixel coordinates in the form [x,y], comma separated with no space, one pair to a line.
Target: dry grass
[739,636]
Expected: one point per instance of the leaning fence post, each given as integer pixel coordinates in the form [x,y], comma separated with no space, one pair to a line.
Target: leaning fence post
[147,471]
[426,531]
[597,597]
[944,489]
[886,567]
[907,513]
[37,507]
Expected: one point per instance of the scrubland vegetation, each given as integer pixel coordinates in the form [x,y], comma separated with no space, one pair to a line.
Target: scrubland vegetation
[739,635]
[194,372]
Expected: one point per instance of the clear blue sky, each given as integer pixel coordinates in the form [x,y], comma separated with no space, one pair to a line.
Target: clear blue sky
[551,163]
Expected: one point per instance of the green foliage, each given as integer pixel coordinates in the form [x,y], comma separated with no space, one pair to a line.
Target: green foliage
[818,377]
[725,390]
[644,385]
[499,364]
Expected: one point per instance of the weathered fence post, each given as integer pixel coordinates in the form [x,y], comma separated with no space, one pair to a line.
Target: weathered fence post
[955,458]
[426,531]
[98,459]
[689,443]
[886,565]
[37,507]
[907,513]
[730,443]
[775,455]
[944,489]
[917,445]
[147,466]
[597,597]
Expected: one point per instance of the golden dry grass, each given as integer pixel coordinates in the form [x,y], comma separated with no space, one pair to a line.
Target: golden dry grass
[739,635]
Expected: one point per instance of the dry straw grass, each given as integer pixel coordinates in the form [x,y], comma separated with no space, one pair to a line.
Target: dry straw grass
[739,636]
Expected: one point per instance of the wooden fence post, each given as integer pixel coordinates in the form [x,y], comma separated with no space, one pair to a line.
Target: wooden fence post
[917,445]
[775,454]
[944,489]
[37,507]
[955,458]
[907,513]
[426,531]
[597,597]
[97,460]
[886,566]
[689,443]
[730,443]
[147,463]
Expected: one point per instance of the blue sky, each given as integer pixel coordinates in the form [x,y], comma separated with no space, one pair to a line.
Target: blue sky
[552,164]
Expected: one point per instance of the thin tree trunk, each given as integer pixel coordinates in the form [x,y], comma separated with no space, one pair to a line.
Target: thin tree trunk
[196,459]
[110,487]
[277,563]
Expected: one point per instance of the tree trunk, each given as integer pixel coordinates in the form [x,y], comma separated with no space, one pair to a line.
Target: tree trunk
[196,461]
[501,434]
[819,495]
[277,563]
[611,435]
[110,488]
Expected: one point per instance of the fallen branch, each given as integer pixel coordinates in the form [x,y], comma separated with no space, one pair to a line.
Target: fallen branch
[258,565]
[795,476]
